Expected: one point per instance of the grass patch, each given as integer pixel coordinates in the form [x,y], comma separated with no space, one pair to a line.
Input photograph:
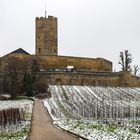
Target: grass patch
[98,127]
[111,128]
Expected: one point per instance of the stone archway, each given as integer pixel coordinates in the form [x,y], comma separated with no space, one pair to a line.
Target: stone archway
[85,82]
[58,81]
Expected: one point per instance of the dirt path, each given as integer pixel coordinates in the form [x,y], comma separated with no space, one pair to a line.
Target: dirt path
[42,127]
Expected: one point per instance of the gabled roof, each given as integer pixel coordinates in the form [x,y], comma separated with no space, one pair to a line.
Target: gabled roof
[20,51]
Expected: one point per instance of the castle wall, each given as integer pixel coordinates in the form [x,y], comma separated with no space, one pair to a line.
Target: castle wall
[23,62]
[84,74]
[90,79]
[97,64]
[60,62]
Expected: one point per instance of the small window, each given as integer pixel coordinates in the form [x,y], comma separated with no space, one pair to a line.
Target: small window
[39,50]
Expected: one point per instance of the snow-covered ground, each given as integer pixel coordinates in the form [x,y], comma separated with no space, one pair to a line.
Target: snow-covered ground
[20,130]
[97,113]
[16,104]
[93,130]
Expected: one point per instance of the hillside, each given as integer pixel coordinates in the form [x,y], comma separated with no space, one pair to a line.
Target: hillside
[107,112]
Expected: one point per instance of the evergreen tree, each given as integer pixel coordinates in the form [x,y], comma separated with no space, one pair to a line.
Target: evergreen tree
[27,84]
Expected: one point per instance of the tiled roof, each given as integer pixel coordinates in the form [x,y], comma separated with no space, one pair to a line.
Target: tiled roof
[20,51]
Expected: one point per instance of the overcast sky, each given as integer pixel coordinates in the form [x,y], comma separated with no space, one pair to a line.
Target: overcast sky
[88,28]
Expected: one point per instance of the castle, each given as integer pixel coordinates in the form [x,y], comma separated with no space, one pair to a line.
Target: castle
[67,70]
[46,48]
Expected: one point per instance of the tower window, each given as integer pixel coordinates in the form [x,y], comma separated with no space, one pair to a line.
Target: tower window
[39,50]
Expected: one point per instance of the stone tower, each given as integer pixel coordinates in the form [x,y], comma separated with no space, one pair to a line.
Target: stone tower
[46,36]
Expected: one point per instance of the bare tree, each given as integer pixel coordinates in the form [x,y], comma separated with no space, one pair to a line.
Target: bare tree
[13,76]
[14,68]
[136,69]
[125,60]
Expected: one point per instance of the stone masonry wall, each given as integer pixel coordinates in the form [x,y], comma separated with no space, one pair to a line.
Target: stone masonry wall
[46,36]
[90,79]
[94,72]
[97,64]
[60,62]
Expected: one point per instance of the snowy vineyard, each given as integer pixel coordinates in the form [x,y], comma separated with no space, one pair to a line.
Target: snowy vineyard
[15,117]
[97,107]
[11,116]
[95,102]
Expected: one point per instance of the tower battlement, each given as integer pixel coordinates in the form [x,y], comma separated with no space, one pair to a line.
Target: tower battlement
[46,36]
[46,18]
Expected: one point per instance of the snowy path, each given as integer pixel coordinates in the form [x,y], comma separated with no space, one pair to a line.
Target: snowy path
[42,127]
